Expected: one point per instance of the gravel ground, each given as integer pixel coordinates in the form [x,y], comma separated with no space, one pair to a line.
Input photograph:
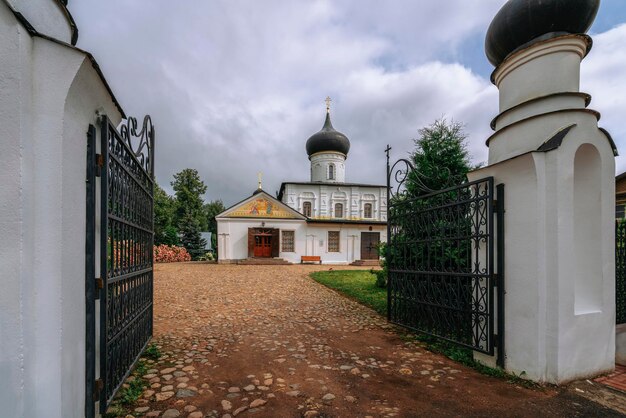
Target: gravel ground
[268,341]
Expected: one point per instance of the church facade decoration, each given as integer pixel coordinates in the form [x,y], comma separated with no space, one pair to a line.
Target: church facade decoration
[326,218]
[261,208]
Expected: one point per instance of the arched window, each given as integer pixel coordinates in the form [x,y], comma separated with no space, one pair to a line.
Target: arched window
[367,210]
[338,210]
[331,171]
[306,209]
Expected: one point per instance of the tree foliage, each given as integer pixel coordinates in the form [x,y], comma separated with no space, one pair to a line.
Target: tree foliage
[440,158]
[179,219]
[191,238]
[211,210]
[165,231]
[188,190]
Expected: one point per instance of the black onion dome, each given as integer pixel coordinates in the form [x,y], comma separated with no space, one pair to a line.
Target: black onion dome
[521,21]
[328,139]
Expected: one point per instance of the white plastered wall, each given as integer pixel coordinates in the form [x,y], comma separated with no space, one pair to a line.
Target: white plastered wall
[559,272]
[232,238]
[324,196]
[49,96]
[46,16]
[320,163]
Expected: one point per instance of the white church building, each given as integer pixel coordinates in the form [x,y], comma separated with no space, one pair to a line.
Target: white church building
[325,220]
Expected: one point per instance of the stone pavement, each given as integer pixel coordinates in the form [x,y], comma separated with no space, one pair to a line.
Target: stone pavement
[267,341]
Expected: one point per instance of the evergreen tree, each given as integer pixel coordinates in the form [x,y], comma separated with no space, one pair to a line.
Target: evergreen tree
[188,190]
[441,158]
[165,232]
[191,238]
[211,210]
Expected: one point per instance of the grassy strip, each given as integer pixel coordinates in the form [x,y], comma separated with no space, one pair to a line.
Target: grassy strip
[360,285]
[131,391]
[357,284]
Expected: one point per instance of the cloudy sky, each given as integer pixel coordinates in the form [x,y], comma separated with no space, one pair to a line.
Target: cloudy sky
[236,87]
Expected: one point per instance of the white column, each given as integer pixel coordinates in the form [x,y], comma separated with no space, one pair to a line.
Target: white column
[558,169]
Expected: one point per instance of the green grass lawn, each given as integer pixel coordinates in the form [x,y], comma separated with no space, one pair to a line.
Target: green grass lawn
[357,284]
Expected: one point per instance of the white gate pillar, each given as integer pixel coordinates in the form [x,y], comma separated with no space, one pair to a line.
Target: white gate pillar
[558,167]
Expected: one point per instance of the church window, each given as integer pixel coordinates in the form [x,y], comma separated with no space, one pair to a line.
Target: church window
[333,241]
[331,171]
[306,209]
[288,241]
[367,210]
[338,210]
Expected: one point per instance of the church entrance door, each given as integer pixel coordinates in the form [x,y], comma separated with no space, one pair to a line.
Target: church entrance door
[263,242]
[369,245]
[263,246]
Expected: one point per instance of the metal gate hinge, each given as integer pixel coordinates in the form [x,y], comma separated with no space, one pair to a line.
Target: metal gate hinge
[97,388]
[496,279]
[99,283]
[99,164]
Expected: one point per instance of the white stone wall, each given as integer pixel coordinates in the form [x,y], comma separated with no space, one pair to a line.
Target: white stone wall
[559,219]
[323,198]
[320,167]
[46,16]
[48,99]
[310,239]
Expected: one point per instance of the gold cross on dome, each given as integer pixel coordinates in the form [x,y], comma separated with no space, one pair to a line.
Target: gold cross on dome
[328,100]
[260,176]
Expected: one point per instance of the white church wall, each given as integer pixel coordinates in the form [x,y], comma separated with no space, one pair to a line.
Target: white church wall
[44,115]
[549,336]
[349,241]
[323,198]
[320,163]
[46,16]
[15,53]
[232,237]
[310,239]
[559,223]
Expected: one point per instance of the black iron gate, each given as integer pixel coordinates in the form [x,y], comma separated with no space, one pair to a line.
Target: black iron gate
[442,261]
[126,170]
[620,271]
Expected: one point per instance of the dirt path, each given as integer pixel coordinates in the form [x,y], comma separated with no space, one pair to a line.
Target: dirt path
[267,341]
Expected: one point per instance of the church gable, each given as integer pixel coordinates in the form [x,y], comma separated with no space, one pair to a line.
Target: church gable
[261,205]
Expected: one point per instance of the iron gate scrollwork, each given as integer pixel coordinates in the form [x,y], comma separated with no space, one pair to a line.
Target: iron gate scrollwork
[620,271]
[127,234]
[441,259]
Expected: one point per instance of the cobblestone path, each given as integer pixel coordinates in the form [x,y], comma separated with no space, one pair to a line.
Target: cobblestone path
[267,341]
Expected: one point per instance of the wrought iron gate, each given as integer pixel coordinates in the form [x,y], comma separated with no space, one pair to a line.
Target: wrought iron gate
[125,166]
[620,271]
[441,260]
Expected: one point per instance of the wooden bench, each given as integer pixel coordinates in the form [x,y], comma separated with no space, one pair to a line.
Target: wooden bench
[310,259]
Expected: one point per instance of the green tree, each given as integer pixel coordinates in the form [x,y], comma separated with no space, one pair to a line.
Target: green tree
[188,190]
[190,236]
[165,232]
[440,158]
[211,210]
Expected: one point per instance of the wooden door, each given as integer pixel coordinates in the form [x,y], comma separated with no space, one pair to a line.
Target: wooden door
[369,245]
[263,245]
[275,241]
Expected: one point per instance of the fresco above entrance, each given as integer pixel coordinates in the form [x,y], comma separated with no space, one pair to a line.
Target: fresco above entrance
[261,208]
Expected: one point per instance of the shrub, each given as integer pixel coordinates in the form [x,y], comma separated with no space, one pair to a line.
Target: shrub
[381,275]
[170,254]
[207,257]
[381,278]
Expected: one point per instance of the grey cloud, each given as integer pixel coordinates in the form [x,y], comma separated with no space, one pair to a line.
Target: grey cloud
[236,87]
